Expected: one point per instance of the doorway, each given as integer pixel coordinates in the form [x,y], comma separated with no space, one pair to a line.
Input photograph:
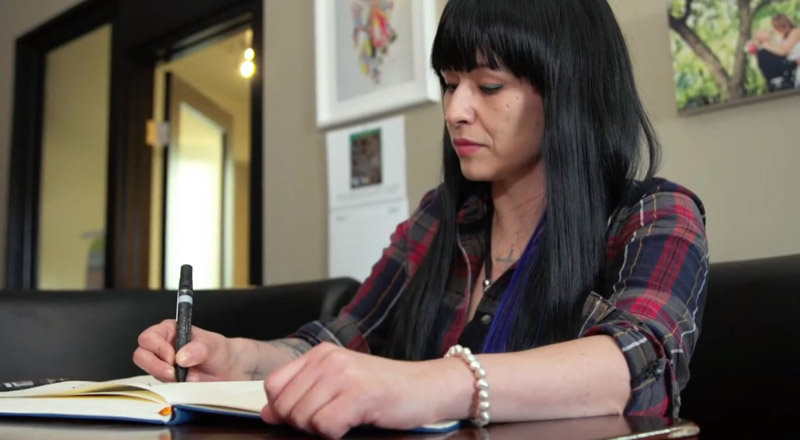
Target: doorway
[201,174]
[141,35]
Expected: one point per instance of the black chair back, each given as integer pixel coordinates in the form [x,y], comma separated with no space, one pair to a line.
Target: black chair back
[747,362]
[91,335]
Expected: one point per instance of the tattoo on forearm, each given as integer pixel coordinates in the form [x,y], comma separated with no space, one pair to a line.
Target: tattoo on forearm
[294,347]
[255,373]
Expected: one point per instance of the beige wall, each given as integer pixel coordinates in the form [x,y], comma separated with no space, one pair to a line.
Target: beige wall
[16,18]
[742,161]
[295,197]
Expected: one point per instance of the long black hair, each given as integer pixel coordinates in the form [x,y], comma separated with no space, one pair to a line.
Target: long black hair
[574,53]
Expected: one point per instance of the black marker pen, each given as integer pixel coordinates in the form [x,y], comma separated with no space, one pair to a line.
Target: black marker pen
[183,316]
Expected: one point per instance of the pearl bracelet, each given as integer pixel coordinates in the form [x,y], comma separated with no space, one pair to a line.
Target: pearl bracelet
[481,385]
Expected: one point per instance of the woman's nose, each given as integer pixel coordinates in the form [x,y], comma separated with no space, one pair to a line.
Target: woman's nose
[458,108]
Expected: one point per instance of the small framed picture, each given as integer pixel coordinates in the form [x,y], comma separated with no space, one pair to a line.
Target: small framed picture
[372,57]
[365,159]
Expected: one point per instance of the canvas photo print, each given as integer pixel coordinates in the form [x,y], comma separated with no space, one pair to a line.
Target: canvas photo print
[726,51]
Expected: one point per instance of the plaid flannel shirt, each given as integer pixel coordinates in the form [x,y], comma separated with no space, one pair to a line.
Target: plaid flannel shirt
[651,300]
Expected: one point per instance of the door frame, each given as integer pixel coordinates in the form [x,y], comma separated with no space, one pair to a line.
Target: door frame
[143,32]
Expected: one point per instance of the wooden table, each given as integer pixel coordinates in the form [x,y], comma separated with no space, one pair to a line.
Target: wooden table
[594,428]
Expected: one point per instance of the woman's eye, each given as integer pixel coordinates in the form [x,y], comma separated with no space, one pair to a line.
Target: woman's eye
[491,88]
[450,87]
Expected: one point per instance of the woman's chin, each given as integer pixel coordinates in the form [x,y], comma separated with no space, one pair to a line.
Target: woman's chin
[475,174]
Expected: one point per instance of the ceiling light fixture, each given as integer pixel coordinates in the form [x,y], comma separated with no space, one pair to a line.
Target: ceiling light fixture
[247,68]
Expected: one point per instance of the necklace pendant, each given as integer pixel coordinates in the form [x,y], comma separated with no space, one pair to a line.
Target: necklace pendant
[486,284]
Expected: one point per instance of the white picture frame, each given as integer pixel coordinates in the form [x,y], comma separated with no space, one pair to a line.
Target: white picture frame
[349,88]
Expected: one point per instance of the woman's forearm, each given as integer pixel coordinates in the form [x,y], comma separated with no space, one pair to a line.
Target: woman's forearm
[777,50]
[580,378]
[256,359]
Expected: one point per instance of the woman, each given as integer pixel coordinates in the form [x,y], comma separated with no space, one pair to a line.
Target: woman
[778,62]
[582,288]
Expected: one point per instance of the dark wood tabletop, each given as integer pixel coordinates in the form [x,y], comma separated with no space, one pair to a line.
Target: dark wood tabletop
[595,428]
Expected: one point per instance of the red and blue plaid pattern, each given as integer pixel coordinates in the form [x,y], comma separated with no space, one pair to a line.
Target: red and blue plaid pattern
[651,300]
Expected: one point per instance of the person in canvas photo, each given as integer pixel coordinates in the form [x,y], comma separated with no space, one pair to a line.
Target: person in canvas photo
[549,275]
[778,61]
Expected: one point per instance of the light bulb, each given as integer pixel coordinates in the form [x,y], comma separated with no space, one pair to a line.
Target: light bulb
[249,54]
[247,68]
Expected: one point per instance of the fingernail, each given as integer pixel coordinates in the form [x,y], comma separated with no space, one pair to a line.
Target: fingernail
[182,357]
[170,372]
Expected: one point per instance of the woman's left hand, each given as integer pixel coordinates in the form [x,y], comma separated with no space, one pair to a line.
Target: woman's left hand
[330,390]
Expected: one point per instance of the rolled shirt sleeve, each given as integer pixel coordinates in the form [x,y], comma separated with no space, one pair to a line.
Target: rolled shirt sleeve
[655,294]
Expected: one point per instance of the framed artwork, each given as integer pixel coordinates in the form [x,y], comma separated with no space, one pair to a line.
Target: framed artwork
[726,52]
[372,57]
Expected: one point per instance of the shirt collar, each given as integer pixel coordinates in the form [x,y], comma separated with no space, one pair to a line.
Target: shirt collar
[474,209]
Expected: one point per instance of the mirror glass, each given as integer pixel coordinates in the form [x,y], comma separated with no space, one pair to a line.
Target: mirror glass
[72,203]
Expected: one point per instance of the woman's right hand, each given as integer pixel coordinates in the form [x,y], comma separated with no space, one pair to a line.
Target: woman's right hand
[209,356]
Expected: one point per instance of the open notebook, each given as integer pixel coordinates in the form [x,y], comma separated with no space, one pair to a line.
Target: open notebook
[145,399]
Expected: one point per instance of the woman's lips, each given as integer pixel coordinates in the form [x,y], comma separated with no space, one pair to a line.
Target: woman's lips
[466,147]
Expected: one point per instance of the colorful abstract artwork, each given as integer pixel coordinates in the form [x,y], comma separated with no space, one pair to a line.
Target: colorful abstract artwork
[373,34]
[372,57]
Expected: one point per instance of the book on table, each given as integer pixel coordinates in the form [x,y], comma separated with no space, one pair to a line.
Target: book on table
[145,399]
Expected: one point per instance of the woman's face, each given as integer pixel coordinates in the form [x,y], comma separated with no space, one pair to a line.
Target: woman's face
[495,121]
[780,27]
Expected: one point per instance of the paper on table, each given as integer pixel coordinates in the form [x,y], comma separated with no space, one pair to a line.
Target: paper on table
[233,394]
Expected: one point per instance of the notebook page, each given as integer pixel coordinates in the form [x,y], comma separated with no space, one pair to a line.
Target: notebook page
[241,395]
[138,387]
[54,388]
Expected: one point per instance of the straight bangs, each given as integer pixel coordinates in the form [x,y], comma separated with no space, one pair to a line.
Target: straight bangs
[475,32]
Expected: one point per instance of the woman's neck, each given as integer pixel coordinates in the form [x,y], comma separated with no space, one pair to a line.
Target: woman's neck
[519,203]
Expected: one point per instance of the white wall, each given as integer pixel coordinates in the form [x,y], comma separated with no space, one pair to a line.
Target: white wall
[16,18]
